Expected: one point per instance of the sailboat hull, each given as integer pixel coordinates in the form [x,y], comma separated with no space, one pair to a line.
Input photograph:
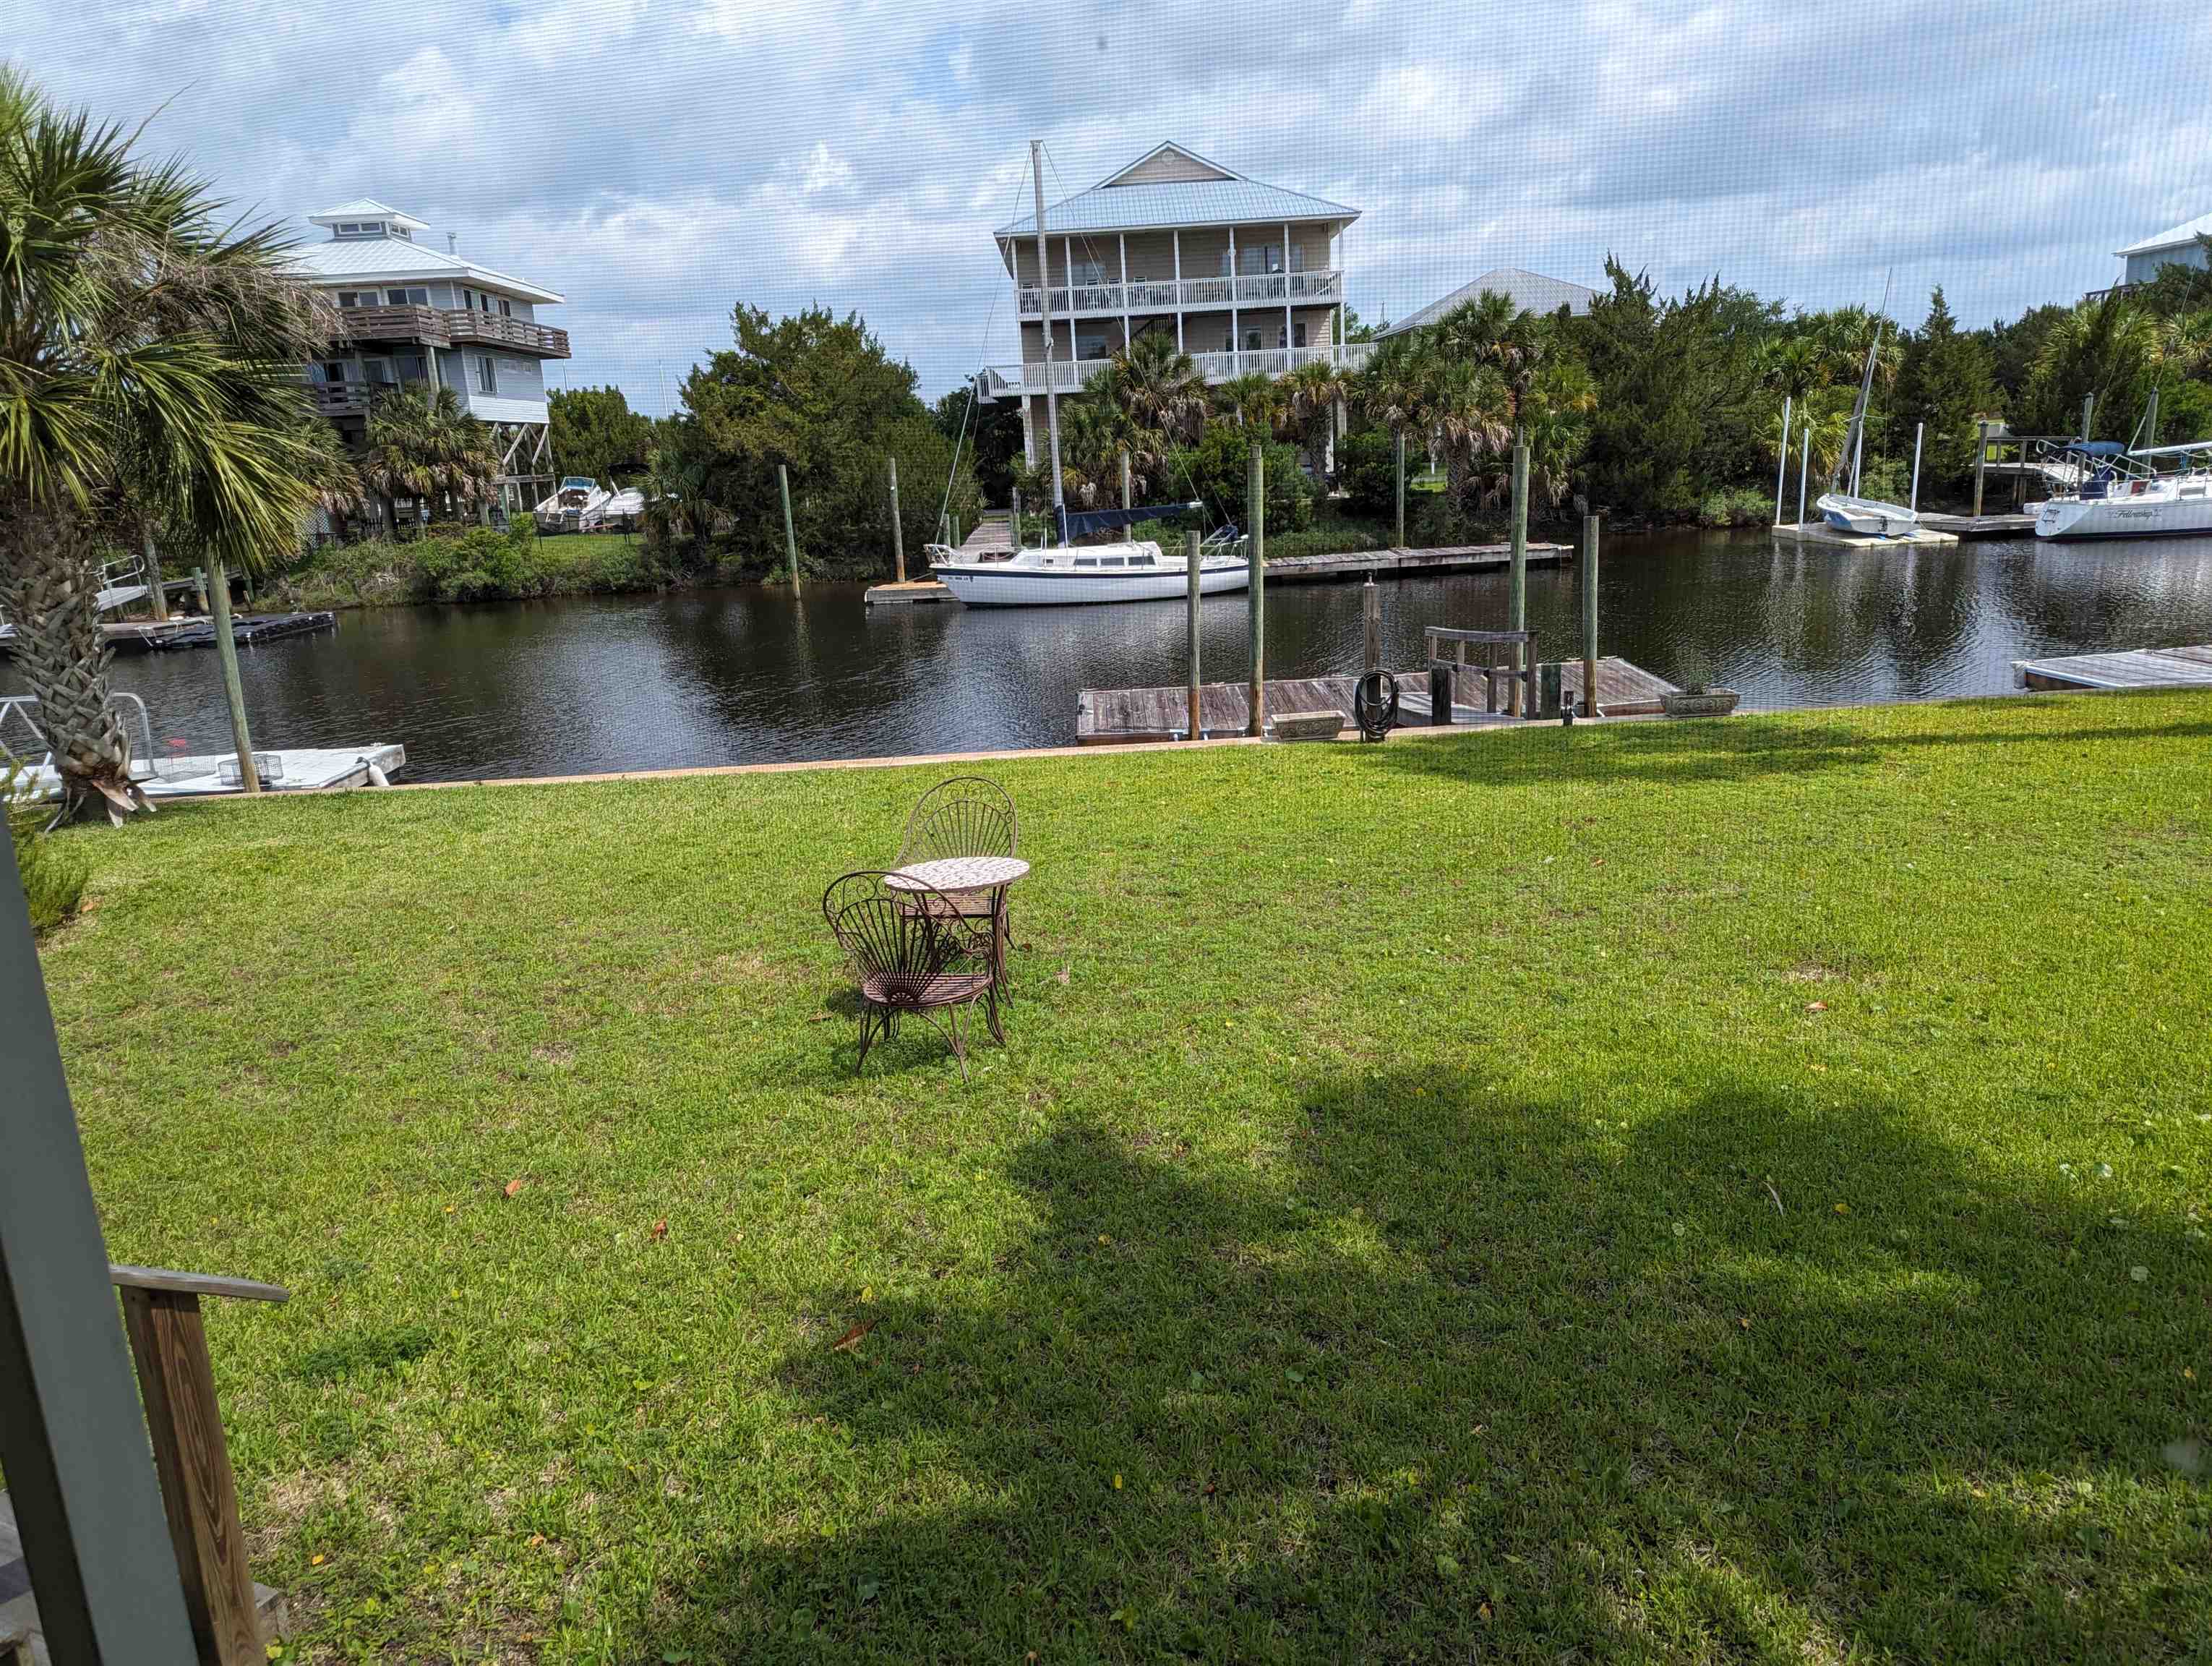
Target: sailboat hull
[1003,584]
[2166,513]
[1865,517]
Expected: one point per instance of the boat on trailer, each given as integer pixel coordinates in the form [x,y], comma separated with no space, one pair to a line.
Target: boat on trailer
[2120,493]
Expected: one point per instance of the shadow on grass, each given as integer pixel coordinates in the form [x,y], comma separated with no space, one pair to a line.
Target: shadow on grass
[1735,749]
[1459,1377]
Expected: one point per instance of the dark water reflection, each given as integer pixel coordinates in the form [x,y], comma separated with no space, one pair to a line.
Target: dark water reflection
[746,675]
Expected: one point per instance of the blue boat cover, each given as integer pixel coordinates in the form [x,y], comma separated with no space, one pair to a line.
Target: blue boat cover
[2099,448]
[1074,523]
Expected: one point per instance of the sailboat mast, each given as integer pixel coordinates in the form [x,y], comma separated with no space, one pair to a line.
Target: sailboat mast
[1044,308]
[1855,436]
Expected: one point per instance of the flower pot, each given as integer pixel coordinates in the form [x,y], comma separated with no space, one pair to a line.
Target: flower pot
[1700,702]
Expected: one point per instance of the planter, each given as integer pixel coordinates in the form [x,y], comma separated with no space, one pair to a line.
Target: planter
[1700,702]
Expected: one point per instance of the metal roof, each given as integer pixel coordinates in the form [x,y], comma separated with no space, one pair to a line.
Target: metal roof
[367,208]
[396,259]
[1233,200]
[1529,291]
[2180,236]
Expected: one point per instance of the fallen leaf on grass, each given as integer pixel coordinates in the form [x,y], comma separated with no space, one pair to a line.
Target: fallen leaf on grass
[514,1185]
[1060,976]
[1816,1005]
[821,1018]
[660,1228]
[1483,1609]
[851,1339]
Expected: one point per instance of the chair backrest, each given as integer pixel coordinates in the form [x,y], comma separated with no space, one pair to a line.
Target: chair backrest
[967,816]
[897,940]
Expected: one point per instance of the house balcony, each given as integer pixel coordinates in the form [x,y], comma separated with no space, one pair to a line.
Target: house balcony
[1013,381]
[1321,288]
[442,326]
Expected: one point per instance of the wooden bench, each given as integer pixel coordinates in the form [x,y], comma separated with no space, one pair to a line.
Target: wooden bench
[1308,725]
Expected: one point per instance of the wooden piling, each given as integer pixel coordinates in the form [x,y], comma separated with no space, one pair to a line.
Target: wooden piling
[1520,566]
[898,533]
[157,592]
[1401,488]
[1589,616]
[1981,458]
[1129,500]
[1193,562]
[1017,518]
[234,693]
[790,537]
[1255,499]
[1371,619]
[199,587]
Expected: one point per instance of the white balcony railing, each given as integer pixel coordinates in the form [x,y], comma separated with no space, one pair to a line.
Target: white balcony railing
[1014,380]
[1321,287]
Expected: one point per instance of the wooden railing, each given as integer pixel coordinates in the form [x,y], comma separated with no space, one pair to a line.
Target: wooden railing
[176,1381]
[1520,701]
[441,327]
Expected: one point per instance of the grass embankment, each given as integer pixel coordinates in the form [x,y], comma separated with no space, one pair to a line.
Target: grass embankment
[1729,1191]
[479,564]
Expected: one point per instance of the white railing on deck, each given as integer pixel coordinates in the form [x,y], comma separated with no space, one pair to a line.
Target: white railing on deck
[1324,287]
[1012,381]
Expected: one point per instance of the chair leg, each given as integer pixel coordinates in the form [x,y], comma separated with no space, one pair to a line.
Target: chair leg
[991,1011]
[867,1025]
[952,1029]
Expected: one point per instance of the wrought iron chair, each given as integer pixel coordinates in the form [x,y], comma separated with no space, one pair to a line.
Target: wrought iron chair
[966,816]
[911,954]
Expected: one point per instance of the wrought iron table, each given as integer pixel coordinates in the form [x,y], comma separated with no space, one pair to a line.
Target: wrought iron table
[959,876]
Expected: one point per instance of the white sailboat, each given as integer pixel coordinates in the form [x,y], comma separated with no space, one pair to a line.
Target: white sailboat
[2121,494]
[1846,511]
[1062,572]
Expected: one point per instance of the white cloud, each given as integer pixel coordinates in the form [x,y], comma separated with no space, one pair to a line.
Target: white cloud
[658,161]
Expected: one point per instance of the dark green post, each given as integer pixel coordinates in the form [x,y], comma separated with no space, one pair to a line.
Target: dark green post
[1589,616]
[790,537]
[1401,489]
[1193,562]
[1256,501]
[1518,702]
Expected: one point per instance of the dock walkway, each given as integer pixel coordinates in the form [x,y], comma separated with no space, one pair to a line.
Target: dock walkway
[1111,716]
[2126,668]
[1972,526]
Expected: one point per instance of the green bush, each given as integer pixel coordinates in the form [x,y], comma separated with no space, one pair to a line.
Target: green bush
[53,871]
[1367,469]
[1215,467]
[1735,506]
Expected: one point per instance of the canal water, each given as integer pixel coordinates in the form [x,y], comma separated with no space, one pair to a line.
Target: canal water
[747,675]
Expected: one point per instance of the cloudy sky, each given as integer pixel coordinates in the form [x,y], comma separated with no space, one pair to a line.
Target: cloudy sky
[658,159]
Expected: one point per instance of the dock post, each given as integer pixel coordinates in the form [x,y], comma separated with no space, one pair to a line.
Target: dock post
[1370,618]
[1016,517]
[1782,460]
[234,693]
[1520,569]
[1128,501]
[790,537]
[1981,457]
[1255,498]
[1192,562]
[157,593]
[199,585]
[1913,502]
[1804,464]
[898,534]
[1589,616]
[1401,489]
[2088,414]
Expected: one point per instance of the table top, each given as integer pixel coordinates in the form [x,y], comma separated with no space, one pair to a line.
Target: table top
[954,874]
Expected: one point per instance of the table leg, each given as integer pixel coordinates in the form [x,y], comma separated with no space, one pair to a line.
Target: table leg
[998,935]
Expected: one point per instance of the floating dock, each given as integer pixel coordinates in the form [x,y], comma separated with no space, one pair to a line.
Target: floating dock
[1972,526]
[915,593]
[1819,532]
[2127,668]
[147,635]
[297,770]
[1106,717]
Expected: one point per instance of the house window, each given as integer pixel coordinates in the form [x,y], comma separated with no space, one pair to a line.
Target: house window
[487,378]
[356,298]
[1297,257]
[413,297]
[1251,341]
[506,307]
[1261,258]
[333,372]
[483,302]
[1299,333]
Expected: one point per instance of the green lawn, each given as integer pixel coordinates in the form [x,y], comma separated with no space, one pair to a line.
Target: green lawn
[1702,1192]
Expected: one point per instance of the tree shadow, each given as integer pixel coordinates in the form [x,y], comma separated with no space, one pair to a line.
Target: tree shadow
[1456,1376]
[1741,748]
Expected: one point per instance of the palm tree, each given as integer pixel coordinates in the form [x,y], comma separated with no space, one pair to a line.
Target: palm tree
[140,339]
[1251,399]
[422,445]
[2105,349]
[1159,387]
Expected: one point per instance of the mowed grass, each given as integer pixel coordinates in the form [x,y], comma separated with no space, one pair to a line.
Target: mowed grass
[1730,1191]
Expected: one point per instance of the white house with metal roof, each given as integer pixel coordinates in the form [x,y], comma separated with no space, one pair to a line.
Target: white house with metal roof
[410,311]
[2177,245]
[1244,276]
[1529,292]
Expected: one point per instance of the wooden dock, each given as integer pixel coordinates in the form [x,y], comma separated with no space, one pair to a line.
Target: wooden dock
[1112,717]
[1398,563]
[2127,668]
[1972,526]
[196,630]
[915,593]
[1819,532]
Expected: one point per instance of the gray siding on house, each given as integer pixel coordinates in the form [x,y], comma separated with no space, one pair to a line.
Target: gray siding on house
[2141,267]
[1168,167]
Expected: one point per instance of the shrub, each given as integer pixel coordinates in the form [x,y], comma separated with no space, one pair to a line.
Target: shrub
[1735,506]
[1215,467]
[53,871]
[1367,469]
